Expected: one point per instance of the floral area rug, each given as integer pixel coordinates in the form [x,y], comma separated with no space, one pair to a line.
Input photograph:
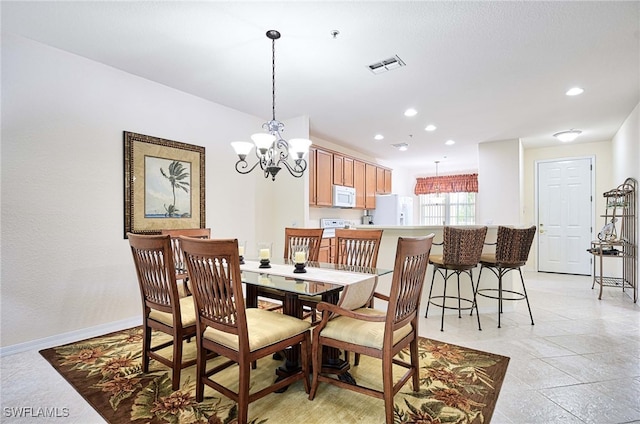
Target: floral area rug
[458,385]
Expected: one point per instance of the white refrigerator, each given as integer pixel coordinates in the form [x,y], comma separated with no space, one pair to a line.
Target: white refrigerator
[393,209]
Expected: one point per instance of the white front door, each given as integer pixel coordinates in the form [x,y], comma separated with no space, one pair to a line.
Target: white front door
[565,215]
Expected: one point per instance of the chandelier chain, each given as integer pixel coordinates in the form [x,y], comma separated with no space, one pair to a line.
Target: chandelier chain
[273,79]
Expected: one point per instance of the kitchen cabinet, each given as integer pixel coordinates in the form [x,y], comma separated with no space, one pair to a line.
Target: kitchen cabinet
[327,167]
[370,186]
[383,180]
[342,170]
[313,196]
[323,178]
[327,250]
[387,181]
[358,183]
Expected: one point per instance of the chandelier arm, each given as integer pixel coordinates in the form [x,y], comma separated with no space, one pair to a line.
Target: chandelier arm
[242,165]
[298,169]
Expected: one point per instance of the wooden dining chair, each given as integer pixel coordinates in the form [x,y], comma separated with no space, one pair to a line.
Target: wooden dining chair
[377,333]
[162,308]
[512,251]
[225,327]
[309,237]
[178,257]
[461,250]
[357,248]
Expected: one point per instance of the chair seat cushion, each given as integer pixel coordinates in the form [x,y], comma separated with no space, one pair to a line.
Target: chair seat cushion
[187,313]
[436,259]
[359,332]
[265,328]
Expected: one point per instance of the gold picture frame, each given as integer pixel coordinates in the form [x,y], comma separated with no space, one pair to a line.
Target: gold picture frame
[164,184]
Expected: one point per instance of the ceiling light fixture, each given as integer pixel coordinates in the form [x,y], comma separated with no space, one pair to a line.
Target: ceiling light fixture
[410,112]
[574,91]
[449,142]
[430,127]
[566,136]
[378,137]
[272,150]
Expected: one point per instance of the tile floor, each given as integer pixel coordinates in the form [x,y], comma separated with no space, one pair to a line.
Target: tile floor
[579,363]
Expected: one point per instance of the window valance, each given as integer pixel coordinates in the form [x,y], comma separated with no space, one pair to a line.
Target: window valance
[465,183]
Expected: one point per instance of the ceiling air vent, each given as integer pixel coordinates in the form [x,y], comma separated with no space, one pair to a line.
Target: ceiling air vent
[386,65]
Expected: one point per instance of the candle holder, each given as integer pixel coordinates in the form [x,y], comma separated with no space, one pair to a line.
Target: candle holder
[299,268]
[299,256]
[265,263]
[264,254]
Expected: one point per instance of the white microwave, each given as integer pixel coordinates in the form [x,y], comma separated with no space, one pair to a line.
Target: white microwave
[344,197]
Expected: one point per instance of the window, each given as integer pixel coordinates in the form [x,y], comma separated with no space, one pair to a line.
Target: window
[448,209]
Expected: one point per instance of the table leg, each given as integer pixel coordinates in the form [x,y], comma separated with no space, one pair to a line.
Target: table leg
[291,306]
[332,363]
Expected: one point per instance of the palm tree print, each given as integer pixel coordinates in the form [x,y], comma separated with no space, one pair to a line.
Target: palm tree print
[176,175]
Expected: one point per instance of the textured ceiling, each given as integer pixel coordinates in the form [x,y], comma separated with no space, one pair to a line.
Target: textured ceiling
[479,71]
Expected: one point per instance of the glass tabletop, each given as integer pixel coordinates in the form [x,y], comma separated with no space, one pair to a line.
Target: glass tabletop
[303,283]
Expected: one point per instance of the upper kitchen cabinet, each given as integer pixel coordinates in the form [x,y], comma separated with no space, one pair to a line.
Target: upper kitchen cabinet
[328,168]
[387,181]
[370,172]
[383,180]
[358,183]
[320,177]
[342,170]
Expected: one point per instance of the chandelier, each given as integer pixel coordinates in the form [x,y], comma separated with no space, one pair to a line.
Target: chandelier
[272,150]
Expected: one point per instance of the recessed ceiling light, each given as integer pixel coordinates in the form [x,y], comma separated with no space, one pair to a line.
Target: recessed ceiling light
[566,136]
[378,136]
[574,91]
[410,112]
[449,142]
[430,127]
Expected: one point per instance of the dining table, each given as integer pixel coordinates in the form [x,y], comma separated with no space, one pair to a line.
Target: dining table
[350,287]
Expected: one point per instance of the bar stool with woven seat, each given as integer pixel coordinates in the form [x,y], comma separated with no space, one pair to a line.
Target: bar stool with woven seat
[512,251]
[461,250]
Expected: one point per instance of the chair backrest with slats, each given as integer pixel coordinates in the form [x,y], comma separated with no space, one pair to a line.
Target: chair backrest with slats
[310,237]
[463,246]
[178,257]
[155,269]
[357,248]
[214,269]
[513,245]
[412,259]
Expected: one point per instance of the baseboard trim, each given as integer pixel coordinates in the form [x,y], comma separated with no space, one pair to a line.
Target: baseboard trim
[72,336]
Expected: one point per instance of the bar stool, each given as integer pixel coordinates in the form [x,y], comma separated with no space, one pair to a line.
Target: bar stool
[512,251]
[461,250]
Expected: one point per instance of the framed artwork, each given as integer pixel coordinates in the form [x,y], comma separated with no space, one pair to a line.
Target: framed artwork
[164,185]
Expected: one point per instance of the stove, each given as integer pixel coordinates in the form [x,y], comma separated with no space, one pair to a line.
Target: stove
[330,225]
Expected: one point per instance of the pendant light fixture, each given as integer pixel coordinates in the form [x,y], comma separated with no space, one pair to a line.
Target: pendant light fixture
[272,150]
[438,198]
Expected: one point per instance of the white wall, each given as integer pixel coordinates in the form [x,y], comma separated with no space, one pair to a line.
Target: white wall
[65,264]
[626,155]
[499,193]
[626,148]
